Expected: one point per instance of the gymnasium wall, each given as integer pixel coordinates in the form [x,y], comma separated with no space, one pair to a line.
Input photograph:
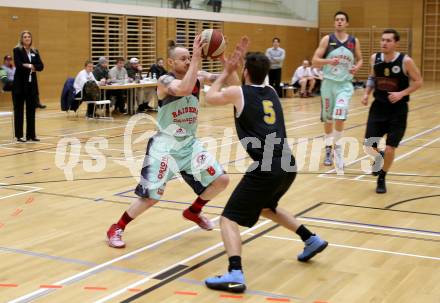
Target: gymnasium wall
[379,13]
[63,39]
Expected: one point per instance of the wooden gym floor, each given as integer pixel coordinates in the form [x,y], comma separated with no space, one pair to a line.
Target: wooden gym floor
[383,248]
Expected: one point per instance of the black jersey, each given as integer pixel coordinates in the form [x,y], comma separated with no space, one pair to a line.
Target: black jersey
[261,118]
[390,77]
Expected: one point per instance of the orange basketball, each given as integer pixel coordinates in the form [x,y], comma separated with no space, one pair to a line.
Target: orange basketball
[215,43]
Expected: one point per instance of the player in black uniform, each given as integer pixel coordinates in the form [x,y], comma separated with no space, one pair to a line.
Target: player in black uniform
[260,127]
[394,76]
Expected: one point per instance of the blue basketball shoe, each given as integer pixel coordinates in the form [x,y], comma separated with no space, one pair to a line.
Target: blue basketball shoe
[232,281]
[314,245]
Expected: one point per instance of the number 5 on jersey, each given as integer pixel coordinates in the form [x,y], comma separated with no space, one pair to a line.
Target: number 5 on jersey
[269,117]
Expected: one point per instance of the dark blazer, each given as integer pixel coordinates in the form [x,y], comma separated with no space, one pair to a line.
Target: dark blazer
[21,83]
[158,70]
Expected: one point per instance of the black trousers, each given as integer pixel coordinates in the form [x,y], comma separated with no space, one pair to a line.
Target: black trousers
[120,99]
[216,6]
[31,101]
[176,2]
[275,79]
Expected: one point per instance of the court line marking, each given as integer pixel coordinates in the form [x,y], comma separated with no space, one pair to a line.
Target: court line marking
[371,226]
[32,189]
[112,262]
[388,182]
[361,248]
[25,298]
[194,256]
[286,123]
[403,156]
[403,141]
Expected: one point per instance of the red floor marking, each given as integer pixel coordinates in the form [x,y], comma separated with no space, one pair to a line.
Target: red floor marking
[1,225]
[320,302]
[51,286]
[16,212]
[8,285]
[278,299]
[134,289]
[231,296]
[189,293]
[29,200]
[94,288]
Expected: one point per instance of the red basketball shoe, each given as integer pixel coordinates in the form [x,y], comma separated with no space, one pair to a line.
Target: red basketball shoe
[199,219]
[114,237]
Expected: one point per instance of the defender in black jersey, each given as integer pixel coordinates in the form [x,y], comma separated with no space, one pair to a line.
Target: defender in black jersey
[260,126]
[394,76]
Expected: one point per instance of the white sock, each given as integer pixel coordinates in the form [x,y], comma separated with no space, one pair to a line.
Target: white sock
[328,139]
[337,136]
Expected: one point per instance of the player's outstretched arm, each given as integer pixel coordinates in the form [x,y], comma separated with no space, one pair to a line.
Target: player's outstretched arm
[232,94]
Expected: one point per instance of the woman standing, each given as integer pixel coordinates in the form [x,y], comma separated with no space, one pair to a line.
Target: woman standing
[25,87]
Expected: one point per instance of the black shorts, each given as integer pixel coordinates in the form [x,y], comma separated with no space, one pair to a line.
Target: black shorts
[386,118]
[257,190]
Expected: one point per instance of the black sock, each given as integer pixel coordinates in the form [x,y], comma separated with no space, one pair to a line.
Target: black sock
[382,174]
[304,233]
[234,263]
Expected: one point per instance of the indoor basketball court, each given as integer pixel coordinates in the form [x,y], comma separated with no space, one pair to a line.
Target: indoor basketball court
[59,195]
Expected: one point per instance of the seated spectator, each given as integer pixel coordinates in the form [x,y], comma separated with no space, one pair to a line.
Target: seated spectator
[6,84]
[303,78]
[118,74]
[133,69]
[8,73]
[101,69]
[358,83]
[9,67]
[158,69]
[81,78]
[4,79]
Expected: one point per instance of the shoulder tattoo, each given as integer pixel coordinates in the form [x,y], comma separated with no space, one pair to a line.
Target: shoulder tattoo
[166,80]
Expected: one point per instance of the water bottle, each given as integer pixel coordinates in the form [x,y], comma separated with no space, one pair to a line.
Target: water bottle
[154,77]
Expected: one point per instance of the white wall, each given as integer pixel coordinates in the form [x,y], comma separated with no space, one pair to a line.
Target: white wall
[138,10]
[306,9]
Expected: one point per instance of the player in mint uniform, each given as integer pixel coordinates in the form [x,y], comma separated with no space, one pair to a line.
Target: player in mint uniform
[340,55]
[174,148]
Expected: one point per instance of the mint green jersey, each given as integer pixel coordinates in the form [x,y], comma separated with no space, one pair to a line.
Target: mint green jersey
[177,115]
[345,53]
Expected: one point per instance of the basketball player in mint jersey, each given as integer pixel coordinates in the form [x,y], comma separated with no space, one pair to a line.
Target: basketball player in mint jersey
[393,77]
[174,147]
[260,127]
[340,55]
